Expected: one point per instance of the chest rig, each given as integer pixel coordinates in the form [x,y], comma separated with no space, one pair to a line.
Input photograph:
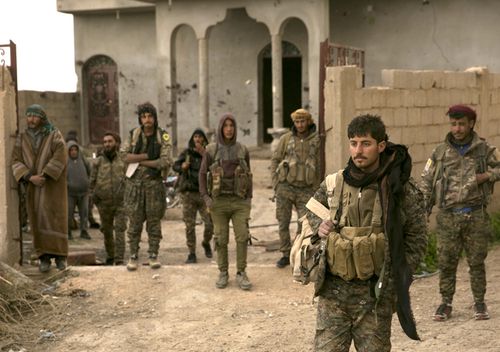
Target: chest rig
[295,169]
[354,252]
[218,184]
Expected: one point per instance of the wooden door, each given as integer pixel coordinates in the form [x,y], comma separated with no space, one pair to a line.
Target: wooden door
[101,92]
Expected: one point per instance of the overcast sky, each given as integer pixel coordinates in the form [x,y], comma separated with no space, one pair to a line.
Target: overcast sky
[45,46]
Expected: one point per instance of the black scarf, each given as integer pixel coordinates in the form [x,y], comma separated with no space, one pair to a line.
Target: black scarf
[153,149]
[392,174]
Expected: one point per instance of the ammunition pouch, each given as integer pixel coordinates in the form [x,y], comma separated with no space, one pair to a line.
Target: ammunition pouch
[242,182]
[355,253]
[214,179]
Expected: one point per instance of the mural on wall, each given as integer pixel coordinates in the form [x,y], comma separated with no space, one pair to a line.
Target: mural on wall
[101,94]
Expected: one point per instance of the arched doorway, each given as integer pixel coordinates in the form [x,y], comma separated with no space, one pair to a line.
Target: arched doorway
[292,85]
[100,84]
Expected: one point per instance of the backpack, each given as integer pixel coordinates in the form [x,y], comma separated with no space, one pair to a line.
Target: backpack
[308,249]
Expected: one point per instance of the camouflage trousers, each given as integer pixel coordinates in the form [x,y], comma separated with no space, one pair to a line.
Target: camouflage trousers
[288,196]
[113,219]
[225,209]
[346,313]
[457,232]
[144,201]
[191,205]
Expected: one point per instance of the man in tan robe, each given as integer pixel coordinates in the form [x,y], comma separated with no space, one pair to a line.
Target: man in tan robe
[39,161]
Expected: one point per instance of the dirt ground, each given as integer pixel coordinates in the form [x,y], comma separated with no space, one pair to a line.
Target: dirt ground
[178,308]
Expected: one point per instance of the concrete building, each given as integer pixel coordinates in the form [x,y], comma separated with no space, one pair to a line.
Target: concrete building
[196,59]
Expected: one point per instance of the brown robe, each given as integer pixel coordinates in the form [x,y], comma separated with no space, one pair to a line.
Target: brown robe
[46,206]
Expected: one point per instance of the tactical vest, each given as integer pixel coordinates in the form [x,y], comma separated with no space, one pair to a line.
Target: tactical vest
[354,252]
[242,179]
[135,134]
[439,182]
[291,169]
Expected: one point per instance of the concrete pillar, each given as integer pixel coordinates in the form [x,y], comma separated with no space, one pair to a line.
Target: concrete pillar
[277,81]
[10,237]
[203,82]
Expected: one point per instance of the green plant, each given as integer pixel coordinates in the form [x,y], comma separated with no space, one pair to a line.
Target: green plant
[495,225]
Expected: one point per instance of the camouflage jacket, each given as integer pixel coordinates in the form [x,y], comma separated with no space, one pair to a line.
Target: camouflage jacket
[302,154]
[106,180]
[449,178]
[413,219]
[163,163]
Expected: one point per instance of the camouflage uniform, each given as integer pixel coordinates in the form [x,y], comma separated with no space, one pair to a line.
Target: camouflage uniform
[191,204]
[348,310]
[106,187]
[462,221]
[144,196]
[294,188]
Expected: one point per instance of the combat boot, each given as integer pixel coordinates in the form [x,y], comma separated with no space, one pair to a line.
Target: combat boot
[132,264]
[154,263]
[207,248]
[191,259]
[223,279]
[242,280]
[85,235]
[284,261]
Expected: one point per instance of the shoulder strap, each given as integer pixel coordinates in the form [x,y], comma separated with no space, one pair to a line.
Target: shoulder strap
[335,204]
[438,172]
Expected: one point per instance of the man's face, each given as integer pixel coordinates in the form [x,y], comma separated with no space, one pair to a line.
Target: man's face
[34,121]
[198,140]
[365,152]
[228,129]
[73,152]
[301,125]
[147,120]
[461,128]
[109,143]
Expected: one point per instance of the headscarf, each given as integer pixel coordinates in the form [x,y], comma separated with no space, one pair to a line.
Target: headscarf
[38,110]
[227,149]
[200,132]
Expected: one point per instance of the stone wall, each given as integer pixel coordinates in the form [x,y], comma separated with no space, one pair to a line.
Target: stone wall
[9,205]
[413,106]
[63,109]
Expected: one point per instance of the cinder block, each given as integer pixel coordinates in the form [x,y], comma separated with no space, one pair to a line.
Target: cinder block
[430,79]
[414,116]
[387,116]
[495,80]
[407,98]
[394,98]
[438,115]
[432,97]
[455,96]
[420,98]
[362,99]
[471,79]
[444,97]
[400,117]
[408,135]
[395,134]
[417,153]
[379,96]
[450,79]
[395,78]
[420,134]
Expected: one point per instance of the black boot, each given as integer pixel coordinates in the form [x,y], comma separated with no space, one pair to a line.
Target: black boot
[207,248]
[191,259]
[284,261]
[44,263]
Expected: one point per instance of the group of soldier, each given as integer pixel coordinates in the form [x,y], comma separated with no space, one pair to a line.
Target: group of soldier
[374,237]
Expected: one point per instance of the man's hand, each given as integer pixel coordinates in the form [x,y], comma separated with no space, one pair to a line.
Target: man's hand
[37,180]
[185,165]
[482,178]
[199,148]
[325,228]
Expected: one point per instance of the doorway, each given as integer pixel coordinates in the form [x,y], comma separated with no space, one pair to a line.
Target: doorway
[292,86]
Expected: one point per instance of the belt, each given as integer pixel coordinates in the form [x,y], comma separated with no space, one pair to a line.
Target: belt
[465,210]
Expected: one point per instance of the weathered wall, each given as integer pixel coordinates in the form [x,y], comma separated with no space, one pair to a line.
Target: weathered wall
[130,40]
[63,109]
[411,34]
[9,203]
[413,105]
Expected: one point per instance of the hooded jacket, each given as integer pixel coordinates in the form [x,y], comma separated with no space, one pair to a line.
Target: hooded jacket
[78,173]
[188,179]
[227,152]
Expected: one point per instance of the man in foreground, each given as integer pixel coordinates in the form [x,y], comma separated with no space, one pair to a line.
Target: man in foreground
[375,238]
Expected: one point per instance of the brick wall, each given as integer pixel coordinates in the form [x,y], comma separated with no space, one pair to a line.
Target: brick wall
[63,109]
[413,105]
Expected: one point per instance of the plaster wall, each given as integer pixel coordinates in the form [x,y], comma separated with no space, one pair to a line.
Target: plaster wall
[407,34]
[130,40]
[9,201]
[413,106]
